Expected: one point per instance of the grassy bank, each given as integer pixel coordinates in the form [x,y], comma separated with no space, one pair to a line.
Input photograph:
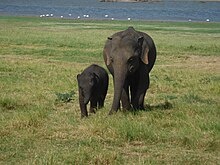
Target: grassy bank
[41,57]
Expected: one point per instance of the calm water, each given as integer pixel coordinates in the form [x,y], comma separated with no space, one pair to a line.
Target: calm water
[166,10]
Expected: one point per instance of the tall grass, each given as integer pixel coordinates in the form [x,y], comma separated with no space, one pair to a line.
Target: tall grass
[41,57]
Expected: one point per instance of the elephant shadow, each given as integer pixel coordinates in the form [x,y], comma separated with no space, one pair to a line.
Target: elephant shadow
[166,105]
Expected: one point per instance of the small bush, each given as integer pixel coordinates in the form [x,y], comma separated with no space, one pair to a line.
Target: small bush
[65,97]
[8,104]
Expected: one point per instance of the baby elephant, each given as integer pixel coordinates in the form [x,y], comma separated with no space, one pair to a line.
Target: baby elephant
[93,86]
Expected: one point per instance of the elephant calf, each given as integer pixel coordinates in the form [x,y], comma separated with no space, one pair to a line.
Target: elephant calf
[93,86]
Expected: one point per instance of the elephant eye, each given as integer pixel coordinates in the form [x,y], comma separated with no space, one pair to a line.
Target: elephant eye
[132,59]
[111,59]
[91,82]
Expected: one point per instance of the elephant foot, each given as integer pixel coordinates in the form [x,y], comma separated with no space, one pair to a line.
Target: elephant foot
[92,110]
[84,113]
[142,108]
[126,108]
[138,107]
[112,112]
[84,116]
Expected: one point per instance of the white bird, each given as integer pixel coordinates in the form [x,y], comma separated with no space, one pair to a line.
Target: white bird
[47,15]
[207,20]
[87,16]
[106,16]
[51,15]
[84,16]
[78,17]
[61,16]
[112,19]
[189,20]
[129,19]
[70,15]
[41,15]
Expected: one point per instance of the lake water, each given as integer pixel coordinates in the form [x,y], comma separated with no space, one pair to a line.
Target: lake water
[165,10]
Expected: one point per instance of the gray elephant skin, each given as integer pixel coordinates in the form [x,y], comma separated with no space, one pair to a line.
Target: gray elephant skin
[93,86]
[129,56]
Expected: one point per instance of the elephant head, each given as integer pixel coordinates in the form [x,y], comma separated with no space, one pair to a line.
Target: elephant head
[86,83]
[124,53]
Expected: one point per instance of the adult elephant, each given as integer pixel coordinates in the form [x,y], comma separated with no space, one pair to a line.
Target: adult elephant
[129,55]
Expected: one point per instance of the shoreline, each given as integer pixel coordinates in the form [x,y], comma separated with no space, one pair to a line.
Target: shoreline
[157,10]
[105,20]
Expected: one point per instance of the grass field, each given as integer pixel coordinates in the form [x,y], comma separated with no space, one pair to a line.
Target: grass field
[41,57]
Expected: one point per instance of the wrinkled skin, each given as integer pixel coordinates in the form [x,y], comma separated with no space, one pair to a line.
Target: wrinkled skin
[129,55]
[93,86]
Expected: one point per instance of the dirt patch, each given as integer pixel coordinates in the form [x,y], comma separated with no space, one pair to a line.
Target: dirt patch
[206,63]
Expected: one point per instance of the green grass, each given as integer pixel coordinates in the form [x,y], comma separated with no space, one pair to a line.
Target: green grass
[41,57]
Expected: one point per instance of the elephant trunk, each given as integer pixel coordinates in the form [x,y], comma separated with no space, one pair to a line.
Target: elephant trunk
[87,94]
[86,99]
[119,79]
[83,107]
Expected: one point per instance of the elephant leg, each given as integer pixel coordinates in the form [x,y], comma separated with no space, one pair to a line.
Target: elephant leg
[139,90]
[125,98]
[140,104]
[143,86]
[134,99]
[138,100]
[93,105]
[101,102]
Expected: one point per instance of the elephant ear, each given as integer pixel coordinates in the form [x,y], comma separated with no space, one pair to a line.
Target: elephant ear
[107,57]
[145,50]
[144,56]
[106,52]
[140,41]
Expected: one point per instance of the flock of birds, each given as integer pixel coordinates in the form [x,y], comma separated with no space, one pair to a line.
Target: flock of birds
[87,16]
[207,20]
[78,17]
